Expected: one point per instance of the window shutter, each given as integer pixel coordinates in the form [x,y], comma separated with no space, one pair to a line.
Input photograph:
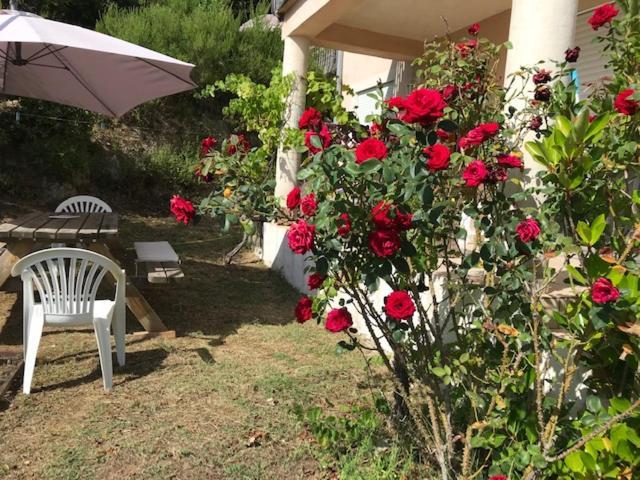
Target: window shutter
[591,62]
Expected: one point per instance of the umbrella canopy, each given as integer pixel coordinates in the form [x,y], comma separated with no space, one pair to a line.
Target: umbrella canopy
[71,65]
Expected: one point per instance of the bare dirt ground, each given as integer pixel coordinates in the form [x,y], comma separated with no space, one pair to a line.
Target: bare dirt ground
[215,403]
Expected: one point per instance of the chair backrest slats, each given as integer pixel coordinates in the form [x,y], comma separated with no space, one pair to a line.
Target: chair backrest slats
[66,279]
[83,204]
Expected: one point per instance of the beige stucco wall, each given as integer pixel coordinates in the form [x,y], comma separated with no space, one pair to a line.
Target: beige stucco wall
[362,72]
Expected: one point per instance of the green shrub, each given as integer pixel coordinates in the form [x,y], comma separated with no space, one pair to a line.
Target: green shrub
[203,32]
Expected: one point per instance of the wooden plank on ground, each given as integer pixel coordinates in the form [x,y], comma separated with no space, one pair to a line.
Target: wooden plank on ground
[91,227]
[70,229]
[7,227]
[109,228]
[28,229]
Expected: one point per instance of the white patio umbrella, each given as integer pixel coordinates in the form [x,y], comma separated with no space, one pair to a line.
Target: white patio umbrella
[71,65]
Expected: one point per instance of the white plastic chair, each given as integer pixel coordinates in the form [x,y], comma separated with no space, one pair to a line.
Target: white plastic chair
[83,204]
[67,281]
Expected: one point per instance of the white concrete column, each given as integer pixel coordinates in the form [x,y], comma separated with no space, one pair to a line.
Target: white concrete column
[296,59]
[539,30]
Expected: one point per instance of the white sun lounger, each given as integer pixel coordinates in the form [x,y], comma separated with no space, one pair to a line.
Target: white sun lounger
[162,262]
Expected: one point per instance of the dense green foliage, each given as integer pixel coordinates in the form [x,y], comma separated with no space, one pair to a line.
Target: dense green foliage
[204,32]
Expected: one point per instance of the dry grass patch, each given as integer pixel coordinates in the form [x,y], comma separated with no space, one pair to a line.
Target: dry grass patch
[214,403]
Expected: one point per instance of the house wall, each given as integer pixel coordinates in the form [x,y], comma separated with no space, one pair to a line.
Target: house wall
[362,72]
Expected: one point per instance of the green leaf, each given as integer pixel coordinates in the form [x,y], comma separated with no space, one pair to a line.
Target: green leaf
[597,227]
[594,405]
[584,232]
[438,371]
[370,166]
[305,173]
[574,462]
[399,129]
[563,124]
[576,275]
[538,154]
[315,141]
[596,127]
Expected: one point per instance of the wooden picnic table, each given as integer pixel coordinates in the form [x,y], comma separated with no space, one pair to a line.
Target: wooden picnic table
[95,231]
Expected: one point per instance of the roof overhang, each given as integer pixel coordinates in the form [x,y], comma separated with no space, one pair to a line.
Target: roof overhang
[393,29]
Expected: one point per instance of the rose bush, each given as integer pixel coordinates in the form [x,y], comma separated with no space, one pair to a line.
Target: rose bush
[431,206]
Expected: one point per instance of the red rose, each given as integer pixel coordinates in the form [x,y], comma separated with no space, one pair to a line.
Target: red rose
[489,129]
[535,123]
[474,29]
[479,134]
[370,148]
[207,144]
[498,477]
[308,205]
[509,161]
[399,305]
[602,15]
[528,230]
[375,129]
[293,199]
[543,76]
[437,157]
[465,48]
[623,104]
[338,320]
[396,102]
[497,174]
[380,215]
[443,134]
[300,236]
[242,145]
[542,93]
[325,139]
[345,228]
[304,309]
[449,92]
[315,281]
[603,291]
[571,54]
[475,173]
[404,221]
[384,243]
[423,106]
[311,119]
[182,209]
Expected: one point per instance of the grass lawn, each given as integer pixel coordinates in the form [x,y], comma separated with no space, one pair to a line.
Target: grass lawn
[215,403]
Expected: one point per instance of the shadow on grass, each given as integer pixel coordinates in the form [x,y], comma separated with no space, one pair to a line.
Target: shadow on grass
[138,364]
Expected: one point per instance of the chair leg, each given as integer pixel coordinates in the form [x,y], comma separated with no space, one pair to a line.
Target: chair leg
[119,330]
[32,341]
[103,337]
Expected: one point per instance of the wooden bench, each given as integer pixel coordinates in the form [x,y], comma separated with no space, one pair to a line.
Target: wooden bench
[161,260]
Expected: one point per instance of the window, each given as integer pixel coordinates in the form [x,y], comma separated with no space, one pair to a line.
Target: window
[591,62]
